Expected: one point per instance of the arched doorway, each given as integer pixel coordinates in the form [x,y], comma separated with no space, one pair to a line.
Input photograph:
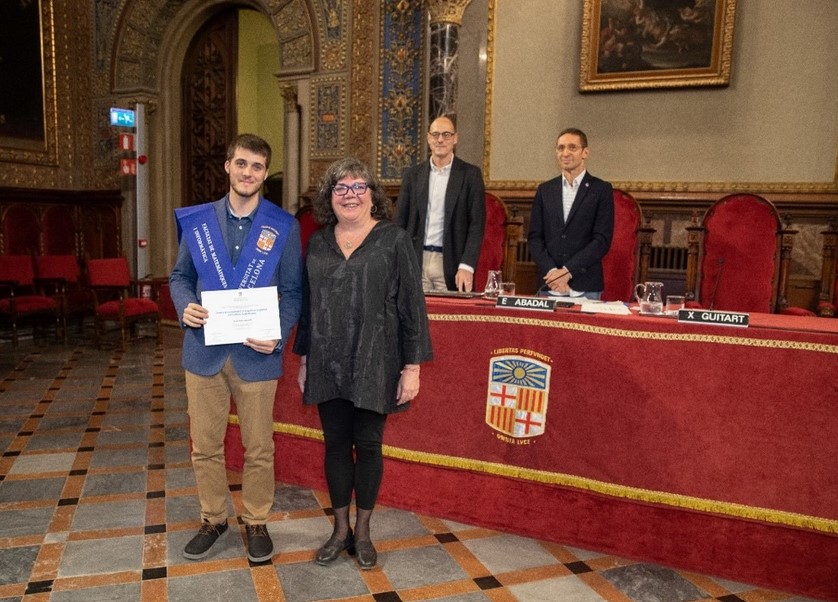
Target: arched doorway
[228,88]
[149,69]
[209,107]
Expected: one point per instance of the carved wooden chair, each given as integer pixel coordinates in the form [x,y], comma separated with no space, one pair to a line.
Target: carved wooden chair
[738,258]
[828,297]
[627,261]
[21,298]
[116,298]
[500,243]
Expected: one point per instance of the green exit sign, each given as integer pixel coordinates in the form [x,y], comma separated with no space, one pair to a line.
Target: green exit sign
[122,117]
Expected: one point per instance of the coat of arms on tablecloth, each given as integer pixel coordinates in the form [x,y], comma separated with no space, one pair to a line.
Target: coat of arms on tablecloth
[516,403]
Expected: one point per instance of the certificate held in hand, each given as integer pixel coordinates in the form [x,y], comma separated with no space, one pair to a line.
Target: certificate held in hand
[241,313]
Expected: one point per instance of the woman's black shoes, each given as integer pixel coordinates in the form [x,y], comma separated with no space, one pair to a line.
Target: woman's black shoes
[367,556]
[332,549]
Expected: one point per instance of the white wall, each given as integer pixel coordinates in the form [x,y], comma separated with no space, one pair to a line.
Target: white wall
[776,122]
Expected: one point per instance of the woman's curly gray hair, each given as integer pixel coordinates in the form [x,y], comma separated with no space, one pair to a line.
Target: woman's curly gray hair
[382,206]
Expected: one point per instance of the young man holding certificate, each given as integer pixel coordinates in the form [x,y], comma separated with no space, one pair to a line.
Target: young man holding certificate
[236,286]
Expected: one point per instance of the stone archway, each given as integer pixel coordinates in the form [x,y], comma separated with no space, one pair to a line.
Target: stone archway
[149,47]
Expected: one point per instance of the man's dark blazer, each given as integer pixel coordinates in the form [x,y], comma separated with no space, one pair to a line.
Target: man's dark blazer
[186,287]
[465,214]
[578,244]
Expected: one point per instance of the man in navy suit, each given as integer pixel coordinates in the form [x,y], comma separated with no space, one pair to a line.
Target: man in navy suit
[571,223]
[442,205]
[241,241]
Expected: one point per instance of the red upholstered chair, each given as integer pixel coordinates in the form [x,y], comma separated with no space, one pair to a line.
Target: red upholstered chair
[115,299]
[500,243]
[20,297]
[745,254]
[308,225]
[627,261]
[61,275]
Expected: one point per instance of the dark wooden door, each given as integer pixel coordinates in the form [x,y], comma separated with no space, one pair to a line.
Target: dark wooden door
[209,108]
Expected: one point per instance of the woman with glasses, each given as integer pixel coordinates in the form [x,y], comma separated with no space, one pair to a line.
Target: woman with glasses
[362,335]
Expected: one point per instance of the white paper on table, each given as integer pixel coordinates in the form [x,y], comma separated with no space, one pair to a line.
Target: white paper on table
[569,293]
[239,314]
[605,307]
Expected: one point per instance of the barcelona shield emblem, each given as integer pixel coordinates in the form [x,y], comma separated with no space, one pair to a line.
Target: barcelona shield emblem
[516,403]
[266,240]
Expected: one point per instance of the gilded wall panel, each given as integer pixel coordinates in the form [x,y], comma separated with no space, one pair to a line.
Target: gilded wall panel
[29,130]
[328,99]
[58,159]
[295,55]
[294,27]
[331,23]
[364,88]
[401,54]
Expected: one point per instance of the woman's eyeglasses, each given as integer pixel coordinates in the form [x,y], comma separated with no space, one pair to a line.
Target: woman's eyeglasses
[358,188]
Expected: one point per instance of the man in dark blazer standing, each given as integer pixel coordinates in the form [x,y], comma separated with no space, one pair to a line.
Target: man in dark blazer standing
[571,223]
[241,241]
[442,205]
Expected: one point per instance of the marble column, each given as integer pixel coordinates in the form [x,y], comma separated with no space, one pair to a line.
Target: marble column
[291,167]
[446,16]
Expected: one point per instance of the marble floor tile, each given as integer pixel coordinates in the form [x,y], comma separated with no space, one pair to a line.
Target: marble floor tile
[98,499]
[101,556]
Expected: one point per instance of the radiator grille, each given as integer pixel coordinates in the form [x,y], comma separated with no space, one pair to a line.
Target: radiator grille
[660,258]
[668,258]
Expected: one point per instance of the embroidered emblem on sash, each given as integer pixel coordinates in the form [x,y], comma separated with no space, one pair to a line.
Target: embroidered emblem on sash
[516,402]
[267,238]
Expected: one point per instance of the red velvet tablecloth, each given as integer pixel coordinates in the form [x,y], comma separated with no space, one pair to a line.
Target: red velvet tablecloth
[635,434]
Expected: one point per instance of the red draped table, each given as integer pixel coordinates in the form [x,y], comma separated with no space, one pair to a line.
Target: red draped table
[710,448]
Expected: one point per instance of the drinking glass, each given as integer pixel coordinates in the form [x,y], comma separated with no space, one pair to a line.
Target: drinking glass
[674,303]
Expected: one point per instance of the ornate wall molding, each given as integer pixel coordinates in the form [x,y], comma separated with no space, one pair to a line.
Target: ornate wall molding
[139,34]
[289,96]
[447,11]
[490,80]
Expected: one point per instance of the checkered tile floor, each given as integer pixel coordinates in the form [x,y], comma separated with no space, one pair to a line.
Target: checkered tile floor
[97,500]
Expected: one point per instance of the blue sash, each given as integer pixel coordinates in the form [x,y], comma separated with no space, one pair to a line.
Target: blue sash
[260,254]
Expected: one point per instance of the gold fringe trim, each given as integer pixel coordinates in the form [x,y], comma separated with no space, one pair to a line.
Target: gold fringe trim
[780,517]
[638,334]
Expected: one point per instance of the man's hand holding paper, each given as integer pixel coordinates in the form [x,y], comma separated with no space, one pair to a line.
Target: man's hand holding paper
[244,315]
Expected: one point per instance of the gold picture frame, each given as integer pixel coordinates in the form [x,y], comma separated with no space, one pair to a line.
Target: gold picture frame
[644,44]
[28,119]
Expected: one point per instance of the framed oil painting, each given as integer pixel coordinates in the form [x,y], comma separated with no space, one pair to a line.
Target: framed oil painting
[27,82]
[641,44]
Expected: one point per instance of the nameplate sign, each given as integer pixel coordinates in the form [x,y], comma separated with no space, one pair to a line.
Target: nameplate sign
[712,316]
[536,303]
